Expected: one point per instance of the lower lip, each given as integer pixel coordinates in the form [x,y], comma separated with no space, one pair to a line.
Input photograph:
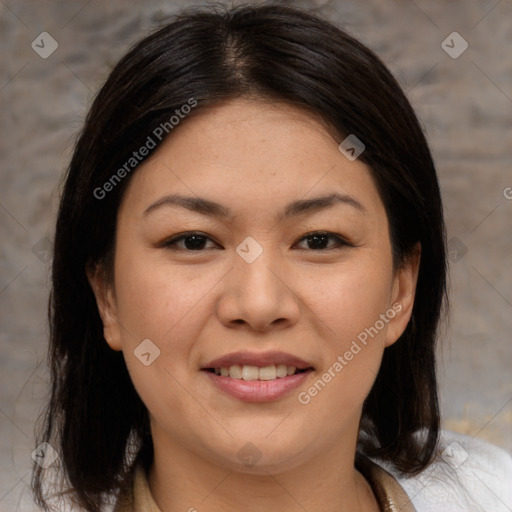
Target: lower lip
[258,390]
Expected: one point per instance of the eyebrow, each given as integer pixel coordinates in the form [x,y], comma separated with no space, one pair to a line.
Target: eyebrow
[295,208]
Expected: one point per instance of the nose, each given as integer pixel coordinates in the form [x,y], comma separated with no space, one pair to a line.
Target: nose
[258,296]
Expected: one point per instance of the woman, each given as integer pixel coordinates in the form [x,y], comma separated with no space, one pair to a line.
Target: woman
[249,272]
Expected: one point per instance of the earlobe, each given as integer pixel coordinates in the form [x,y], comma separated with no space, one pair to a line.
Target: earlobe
[403,293]
[106,304]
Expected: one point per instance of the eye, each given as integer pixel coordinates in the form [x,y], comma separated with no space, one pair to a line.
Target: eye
[196,241]
[319,240]
[193,241]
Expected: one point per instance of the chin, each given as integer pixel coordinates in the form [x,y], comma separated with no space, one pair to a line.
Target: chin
[260,456]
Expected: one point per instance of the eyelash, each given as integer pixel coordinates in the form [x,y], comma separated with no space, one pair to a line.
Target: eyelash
[340,242]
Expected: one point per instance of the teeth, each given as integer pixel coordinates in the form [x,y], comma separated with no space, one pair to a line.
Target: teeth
[290,370]
[235,371]
[281,370]
[268,372]
[249,372]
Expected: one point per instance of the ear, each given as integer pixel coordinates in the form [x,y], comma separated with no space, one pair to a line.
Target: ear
[402,294]
[106,302]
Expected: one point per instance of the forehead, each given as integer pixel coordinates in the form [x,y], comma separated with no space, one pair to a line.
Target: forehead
[251,155]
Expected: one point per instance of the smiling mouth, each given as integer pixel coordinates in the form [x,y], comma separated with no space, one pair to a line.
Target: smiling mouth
[250,372]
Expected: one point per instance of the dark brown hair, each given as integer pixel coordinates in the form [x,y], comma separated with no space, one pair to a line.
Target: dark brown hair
[213,54]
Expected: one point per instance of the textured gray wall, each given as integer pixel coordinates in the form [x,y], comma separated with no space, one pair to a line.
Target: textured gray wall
[465,104]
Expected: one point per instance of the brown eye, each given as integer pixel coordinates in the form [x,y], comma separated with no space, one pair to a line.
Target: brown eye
[191,242]
[319,241]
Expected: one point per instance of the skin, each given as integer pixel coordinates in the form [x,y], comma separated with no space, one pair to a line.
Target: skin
[253,157]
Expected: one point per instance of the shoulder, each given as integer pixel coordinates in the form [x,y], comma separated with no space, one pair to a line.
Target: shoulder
[467,474]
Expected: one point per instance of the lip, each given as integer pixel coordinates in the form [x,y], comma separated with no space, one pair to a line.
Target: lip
[258,390]
[258,359]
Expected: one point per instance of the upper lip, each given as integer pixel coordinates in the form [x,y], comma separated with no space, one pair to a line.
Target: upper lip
[258,359]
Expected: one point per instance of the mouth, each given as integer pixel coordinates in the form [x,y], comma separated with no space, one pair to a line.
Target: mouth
[251,372]
[257,377]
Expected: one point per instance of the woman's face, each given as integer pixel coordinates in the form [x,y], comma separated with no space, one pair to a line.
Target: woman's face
[253,289]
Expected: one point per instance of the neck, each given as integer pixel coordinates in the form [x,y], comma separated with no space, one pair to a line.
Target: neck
[181,480]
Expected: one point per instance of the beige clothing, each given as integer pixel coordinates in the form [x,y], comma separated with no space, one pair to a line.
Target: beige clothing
[389,494]
[467,474]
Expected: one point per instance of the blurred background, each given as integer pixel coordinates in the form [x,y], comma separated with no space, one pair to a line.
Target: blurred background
[451,58]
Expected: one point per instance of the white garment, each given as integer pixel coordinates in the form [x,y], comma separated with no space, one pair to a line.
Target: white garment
[467,475]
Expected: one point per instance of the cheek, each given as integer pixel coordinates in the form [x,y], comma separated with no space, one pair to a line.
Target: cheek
[164,304]
[350,299]
[351,304]
[157,300]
